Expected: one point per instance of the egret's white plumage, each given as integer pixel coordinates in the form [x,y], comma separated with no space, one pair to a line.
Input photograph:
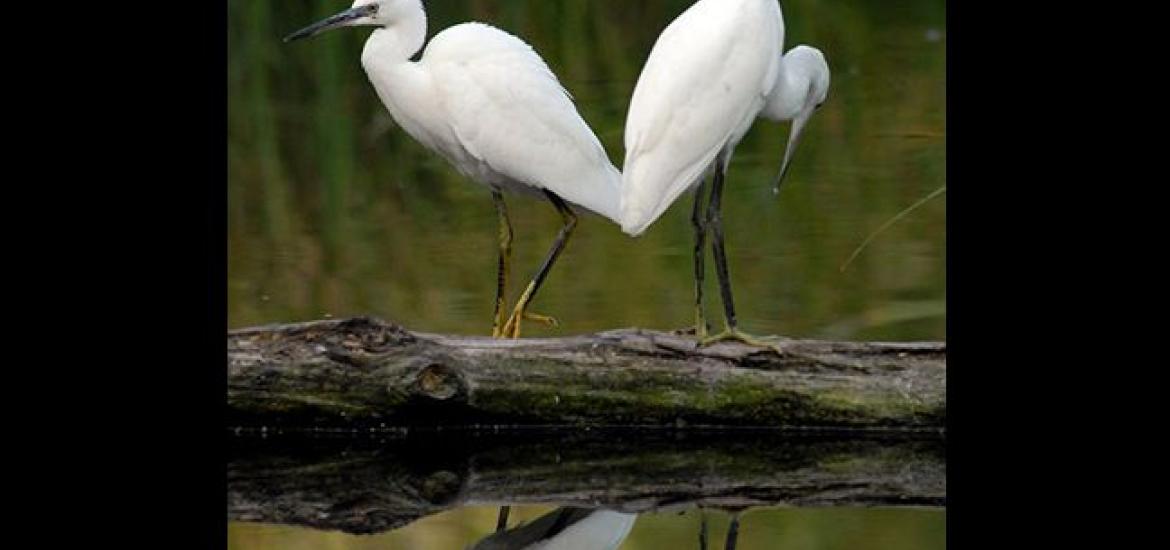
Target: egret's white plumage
[803,83]
[485,101]
[712,72]
[706,79]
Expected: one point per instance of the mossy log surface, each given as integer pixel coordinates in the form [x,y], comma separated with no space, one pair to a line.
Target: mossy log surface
[368,485]
[368,374]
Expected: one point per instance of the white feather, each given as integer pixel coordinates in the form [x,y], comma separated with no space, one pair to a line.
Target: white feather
[707,78]
[485,101]
[508,111]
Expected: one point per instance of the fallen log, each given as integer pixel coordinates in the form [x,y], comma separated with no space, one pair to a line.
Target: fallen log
[368,374]
[366,485]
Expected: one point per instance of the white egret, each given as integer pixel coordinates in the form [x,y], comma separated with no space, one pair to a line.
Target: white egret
[565,529]
[487,103]
[713,71]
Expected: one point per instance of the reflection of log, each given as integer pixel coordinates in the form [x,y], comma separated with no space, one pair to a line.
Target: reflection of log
[365,373]
[367,487]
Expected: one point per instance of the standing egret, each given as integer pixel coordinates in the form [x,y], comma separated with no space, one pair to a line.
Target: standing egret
[485,101]
[712,72]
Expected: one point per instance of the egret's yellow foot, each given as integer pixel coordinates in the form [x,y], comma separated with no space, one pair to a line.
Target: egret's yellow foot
[735,335]
[498,326]
[512,327]
[550,322]
[501,328]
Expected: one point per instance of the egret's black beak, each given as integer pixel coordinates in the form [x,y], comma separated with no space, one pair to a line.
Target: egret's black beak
[333,22]
[793,140]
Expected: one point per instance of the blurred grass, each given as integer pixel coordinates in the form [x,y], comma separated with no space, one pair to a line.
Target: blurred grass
[335,211]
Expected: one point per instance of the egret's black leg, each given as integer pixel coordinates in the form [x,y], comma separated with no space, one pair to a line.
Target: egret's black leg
[715,225]
[715,222]
[700,269]
[732,533]
[502,521]
[505,241]
[512,327]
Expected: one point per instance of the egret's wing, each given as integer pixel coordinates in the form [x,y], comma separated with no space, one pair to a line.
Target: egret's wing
[508,110]
[706,79]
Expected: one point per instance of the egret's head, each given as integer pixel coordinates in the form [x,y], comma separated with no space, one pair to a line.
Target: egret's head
[804,89]
[364,13]
[812,62]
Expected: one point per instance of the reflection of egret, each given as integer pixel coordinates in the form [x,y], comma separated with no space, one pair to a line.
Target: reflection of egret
[732,532]
[565,529]
[502,518]
[485,101]
[713,71]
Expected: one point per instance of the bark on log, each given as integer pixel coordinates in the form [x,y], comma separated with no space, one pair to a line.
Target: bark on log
[368,374]
[369,486]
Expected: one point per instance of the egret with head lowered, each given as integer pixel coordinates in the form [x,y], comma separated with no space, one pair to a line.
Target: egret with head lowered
[487,103]
[713,71]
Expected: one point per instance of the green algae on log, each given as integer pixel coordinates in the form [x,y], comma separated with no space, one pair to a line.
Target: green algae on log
[365,373]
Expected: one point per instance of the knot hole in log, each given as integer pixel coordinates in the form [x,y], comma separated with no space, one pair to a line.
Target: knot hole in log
[441,487]
[439,382]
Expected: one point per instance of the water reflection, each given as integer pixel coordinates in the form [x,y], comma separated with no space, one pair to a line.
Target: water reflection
[563,529]
[372,486]
[732,533]
[502,521]
[759,528]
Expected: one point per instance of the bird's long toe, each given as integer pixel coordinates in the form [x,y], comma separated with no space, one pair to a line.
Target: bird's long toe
[548,321]
[735,335]
[512,326]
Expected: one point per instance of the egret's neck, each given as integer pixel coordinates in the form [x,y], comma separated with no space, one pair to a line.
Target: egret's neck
[790,93]
[396,42]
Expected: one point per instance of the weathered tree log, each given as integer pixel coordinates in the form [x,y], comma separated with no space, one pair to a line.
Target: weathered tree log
[370,486]
[367,374]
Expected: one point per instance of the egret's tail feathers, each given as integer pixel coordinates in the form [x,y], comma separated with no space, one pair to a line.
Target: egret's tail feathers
[601,193]
[635,222]
[638,214]
[648,191]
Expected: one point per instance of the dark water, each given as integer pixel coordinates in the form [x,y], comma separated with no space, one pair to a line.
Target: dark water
[333,211]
